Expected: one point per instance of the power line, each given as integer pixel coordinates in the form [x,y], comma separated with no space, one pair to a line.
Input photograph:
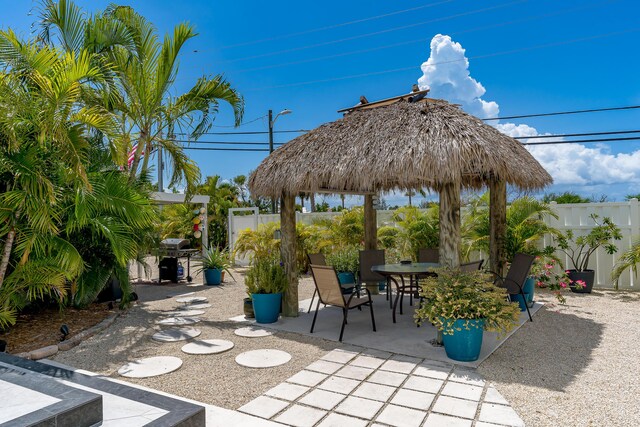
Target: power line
[567,135]
[421,40]
[413,67]
[184,141]
[560,113]
[330,27]
[632,138]
[226,149]
[375,33]
[248,133]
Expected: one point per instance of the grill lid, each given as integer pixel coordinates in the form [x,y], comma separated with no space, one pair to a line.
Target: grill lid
[174,244]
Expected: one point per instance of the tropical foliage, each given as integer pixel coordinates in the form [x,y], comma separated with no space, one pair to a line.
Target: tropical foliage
[266,276]
[628,260]
[453,295]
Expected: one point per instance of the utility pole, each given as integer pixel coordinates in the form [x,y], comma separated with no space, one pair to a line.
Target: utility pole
[160,171]
[273,202]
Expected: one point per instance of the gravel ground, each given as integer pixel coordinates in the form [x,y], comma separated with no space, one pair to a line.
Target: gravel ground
[574,365]
[214,379]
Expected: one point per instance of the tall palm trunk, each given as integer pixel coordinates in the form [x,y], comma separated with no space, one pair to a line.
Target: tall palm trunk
[6,253]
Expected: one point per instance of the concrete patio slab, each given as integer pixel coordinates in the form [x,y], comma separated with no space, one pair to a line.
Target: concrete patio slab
[402,337]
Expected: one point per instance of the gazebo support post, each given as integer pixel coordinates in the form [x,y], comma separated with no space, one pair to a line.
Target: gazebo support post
[370,233]
[498,224]
[450,225]
[288,252]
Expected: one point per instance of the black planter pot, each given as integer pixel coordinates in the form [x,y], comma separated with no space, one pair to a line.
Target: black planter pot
[248,308]
[587,276]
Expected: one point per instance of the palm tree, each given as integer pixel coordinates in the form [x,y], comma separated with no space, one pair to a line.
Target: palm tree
[145,69]
[44,124]
[629,259]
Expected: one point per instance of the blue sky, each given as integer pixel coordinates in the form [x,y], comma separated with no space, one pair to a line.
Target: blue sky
[599,72]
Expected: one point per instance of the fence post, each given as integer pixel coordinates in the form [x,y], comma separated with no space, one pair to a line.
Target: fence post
[634,223]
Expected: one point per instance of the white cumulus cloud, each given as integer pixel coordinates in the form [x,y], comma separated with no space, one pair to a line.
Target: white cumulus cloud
[446,73]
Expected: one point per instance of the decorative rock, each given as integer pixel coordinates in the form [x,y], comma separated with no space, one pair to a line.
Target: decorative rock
[267,358]
[179,295]
[184,313]
[207,346]
[178,321]
[252,332]
[173,335]
[150,367]
[191,300]
[197,306]
[43,352]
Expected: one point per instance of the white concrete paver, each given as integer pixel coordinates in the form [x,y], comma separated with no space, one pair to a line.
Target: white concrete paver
[467,376]
[339,385]
[387,378]
[322,399]
[398,416]
[500,414]
[287,391]
[438,420]
[340,356]
[368,361]
[308,378]
[359,407]
[300,416]
[413,399]
[429,385]
[374,391]
[463,391]
[264,406]
[324,366]
[494,396]
[354,372]
[339,420]
[456,407]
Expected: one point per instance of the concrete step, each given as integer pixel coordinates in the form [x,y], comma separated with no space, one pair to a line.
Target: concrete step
[120,404]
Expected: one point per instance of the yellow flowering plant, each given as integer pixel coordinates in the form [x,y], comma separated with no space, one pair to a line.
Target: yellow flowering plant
[454,295]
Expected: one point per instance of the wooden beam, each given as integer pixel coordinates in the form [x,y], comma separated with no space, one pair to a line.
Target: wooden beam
[450,225]
[383,102]
[370,233]
[498,225]
[288,251]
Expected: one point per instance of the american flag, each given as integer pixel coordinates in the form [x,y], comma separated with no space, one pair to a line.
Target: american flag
[132,155]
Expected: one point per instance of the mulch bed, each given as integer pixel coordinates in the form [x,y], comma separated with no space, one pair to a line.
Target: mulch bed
[41,328]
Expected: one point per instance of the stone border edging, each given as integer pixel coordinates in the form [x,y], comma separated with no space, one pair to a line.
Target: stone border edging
[50,350]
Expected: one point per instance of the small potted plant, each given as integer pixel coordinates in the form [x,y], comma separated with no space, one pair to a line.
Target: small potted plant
[346,261]
[546,272]
[462,305]
[266,281]
[579,250]
[214,262]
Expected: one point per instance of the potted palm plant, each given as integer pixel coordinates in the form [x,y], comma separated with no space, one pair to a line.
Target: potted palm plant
[579,250]
[266,281]
[214,262]
[462,306]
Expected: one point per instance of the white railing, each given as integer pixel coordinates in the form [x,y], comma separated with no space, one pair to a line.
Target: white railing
[576,217]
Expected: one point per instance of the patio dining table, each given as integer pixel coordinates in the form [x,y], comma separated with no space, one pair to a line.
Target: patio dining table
[401,270]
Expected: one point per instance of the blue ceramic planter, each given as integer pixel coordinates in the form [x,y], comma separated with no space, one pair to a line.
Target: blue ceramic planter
[347,282]
[212,276]
[529,289]
[464,345]
[266,307]
[521,302]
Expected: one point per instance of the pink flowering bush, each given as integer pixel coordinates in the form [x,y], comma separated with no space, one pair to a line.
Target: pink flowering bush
[545,272]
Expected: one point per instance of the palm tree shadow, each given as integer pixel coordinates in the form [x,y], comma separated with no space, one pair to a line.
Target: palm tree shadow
[549,352]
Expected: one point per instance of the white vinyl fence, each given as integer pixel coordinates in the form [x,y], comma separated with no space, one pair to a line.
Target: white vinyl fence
[576,217]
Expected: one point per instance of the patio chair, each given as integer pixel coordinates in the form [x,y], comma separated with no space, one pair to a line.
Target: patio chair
[429,255]
[472,266]
[330,293]
[369,258]
[513,282]
[316,259]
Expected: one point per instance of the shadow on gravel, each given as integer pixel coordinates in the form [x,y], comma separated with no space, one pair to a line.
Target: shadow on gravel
[547,353]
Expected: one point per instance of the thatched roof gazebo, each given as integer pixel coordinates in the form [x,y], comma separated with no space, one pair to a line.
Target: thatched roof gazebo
[403,143]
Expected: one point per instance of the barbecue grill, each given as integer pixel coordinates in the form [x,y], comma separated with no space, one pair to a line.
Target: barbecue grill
[172,250]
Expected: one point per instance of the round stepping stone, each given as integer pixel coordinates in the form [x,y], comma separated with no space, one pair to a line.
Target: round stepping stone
[197,306]
[180,295]
[178,321]
[252,332]
[267,358]
[150,367]
[185,313]
[173,335]
[207,346]
[191,300]
[195,285]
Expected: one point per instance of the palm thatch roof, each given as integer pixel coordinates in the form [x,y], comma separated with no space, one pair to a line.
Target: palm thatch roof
[401,146]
